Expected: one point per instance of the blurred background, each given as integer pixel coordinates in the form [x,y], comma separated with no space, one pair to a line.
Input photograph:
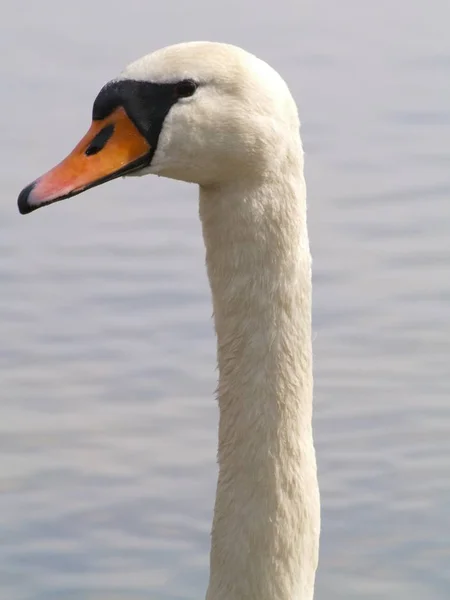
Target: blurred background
[107,358]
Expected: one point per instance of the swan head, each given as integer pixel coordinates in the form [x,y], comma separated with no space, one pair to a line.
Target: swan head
[201,112]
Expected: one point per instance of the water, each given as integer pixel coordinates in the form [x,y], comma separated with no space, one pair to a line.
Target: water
[108,423]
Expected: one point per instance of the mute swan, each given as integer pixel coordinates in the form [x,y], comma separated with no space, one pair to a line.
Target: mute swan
[217,116]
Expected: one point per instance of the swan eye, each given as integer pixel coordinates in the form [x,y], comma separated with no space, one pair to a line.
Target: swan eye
[98,143]
[185,88]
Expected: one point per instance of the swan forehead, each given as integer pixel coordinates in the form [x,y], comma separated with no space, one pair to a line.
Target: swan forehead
[206,62]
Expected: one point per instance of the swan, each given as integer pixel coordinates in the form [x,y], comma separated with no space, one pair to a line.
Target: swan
[215,115]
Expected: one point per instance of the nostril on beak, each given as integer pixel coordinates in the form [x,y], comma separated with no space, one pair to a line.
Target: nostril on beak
[98,143]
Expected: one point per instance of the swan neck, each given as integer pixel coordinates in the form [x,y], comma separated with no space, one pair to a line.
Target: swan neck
[266,520]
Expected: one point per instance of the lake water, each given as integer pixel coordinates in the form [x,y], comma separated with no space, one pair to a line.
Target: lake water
[108,422]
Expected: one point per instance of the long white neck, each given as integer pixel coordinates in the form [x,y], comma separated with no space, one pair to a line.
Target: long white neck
[266,525]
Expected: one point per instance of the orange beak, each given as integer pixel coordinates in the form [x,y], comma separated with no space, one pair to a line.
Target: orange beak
[112,147]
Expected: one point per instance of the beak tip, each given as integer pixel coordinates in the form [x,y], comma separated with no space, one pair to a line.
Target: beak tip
[23,203]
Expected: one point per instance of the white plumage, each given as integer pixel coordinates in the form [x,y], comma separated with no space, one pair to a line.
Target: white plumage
[238,138]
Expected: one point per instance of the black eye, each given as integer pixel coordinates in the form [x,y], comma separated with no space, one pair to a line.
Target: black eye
[185,88]
[100,140]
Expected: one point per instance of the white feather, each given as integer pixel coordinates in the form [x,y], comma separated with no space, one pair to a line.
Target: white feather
[238,138]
